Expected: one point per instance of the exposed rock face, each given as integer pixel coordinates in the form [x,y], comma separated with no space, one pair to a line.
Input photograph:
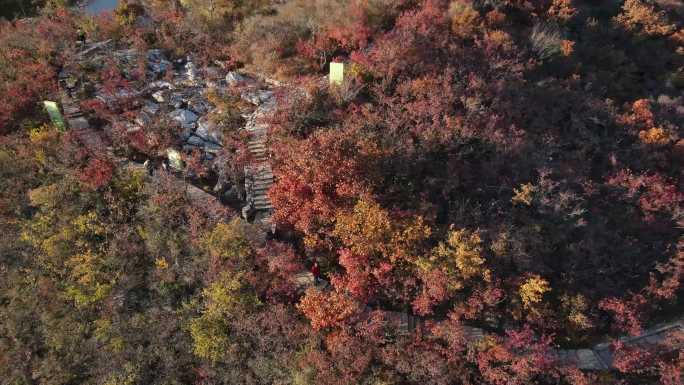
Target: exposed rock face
[233,78]
[150,107]
[198,104]
[186,118]
[208,131]
[195,141]
[160,84]
[159,96]
[191,72]
[177,90]
[258,97]
[157,63]
[143,119]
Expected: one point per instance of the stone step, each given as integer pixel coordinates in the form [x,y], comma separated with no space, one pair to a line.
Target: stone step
[256,180]
[260,197]
[262,185]
[261,205]
[260,173]
[259,194]
[260,168]
[78,123]
[74,116]
[257,127]
[265,179]
[72,110]
[262,190]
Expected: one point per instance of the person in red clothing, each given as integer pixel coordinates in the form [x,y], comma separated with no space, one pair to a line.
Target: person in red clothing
[316,271]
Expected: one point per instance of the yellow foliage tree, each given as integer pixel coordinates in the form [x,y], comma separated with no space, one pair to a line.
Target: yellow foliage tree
[464,19]
[88,283]
[226,297]
[460,257]
[654,136]
[561,10]
[229,241]
[639,16]
[368,229]
[532,291]
[575,307]
[524,195]
[210,336]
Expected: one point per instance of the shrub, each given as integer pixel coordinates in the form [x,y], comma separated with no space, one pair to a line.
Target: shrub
[303,35]
[464,19]
[28,52]
[348,90]
[127,13]
[641,17]
[546,40]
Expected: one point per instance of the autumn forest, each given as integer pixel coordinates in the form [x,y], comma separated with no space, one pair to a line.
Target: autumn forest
[491,193]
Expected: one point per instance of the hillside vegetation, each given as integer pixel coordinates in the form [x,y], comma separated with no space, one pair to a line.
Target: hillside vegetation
[507,165]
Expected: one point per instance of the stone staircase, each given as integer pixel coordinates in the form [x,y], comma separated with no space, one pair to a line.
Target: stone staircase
[259,174]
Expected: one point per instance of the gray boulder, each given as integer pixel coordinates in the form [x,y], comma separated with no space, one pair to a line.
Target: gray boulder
[160,68]
[195,141]
[191,71]
[198,105]
[233,78]
[159,96]
[247,210]
[258,97]
[186,118]
[160,84]
[150,107]
[177,100]
[212,148]
[155,55]
[208,130]
[142,119]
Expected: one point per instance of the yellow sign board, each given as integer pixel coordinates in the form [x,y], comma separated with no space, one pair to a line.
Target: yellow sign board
[336,73]
[175,159]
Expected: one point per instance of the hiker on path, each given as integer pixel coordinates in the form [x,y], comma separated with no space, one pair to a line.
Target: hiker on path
[81,36]
[316,271]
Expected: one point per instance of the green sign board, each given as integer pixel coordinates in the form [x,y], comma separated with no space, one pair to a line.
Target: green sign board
[55,115]
[336,73]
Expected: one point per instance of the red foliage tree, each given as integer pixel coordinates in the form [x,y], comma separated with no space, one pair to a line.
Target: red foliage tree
[519,359]
[278,265]
[627,313]
[327,310]
[315,178]
[97,172]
